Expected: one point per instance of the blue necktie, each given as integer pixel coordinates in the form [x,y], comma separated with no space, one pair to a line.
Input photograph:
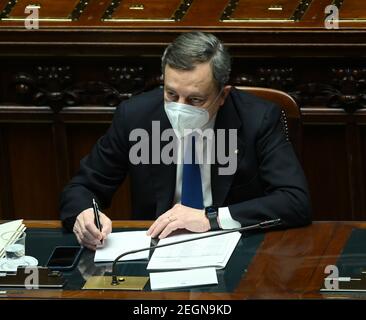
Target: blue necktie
[191,182]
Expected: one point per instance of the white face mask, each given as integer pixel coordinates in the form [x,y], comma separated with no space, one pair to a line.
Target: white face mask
[186,117]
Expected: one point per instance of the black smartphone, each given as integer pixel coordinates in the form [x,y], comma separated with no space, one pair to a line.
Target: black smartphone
[64,258]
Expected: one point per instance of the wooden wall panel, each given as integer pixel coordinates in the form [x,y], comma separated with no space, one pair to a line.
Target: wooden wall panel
[239,13]
[32,170]
[152,14]
[352,9]
[32,191]
[363,154]
[265,9]
[325,164]
[54,9]
[81,138]
[146,10]
[6,207]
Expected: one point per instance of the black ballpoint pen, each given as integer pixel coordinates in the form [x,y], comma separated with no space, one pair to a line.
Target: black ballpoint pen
[96,217]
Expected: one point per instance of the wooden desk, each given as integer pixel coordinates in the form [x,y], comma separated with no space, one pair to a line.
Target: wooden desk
[288,265]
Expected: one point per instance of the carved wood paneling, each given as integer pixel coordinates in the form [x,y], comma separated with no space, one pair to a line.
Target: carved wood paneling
[328,83]
[238,14]
[55,86]
[147,11]
[351,11]
[64,10]
[265,11]
[340,86]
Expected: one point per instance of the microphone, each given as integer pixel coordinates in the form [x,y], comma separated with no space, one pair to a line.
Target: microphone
[262,225]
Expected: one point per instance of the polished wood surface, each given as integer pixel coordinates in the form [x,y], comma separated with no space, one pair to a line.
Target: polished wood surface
[295,24]
[296,14]
[288,265]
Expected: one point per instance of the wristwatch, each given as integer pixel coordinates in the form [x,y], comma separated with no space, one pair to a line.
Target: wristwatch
[212,214]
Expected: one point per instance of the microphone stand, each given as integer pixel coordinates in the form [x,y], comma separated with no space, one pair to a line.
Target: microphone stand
[116,280]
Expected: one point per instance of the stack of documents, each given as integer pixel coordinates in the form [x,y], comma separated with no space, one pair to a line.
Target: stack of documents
[194,262]
[209,252]
[9,233]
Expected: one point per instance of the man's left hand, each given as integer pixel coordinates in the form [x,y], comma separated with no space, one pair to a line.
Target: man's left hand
[179,217]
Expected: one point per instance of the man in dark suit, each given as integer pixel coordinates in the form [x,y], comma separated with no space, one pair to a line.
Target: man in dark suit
[265,182]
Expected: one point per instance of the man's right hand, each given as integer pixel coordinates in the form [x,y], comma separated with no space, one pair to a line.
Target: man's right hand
[86,231]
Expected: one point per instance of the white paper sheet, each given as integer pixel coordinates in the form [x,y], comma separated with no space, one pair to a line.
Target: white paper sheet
[183,278]
[120,242]
[210,252]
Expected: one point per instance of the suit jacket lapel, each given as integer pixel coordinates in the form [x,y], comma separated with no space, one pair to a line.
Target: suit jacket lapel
[227,118]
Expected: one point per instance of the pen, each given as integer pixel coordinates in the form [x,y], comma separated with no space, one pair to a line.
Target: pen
[96,217]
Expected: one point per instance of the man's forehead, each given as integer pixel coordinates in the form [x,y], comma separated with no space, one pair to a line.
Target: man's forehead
[192,81]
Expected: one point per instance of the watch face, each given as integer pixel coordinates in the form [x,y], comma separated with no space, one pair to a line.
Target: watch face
[211,211]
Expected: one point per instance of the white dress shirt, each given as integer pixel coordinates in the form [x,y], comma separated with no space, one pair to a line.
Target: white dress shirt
[225,219]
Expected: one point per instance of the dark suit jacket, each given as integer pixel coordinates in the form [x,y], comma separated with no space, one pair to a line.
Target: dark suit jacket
[269,181]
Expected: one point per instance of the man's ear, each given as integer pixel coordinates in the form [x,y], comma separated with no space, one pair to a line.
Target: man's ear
[224,94]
